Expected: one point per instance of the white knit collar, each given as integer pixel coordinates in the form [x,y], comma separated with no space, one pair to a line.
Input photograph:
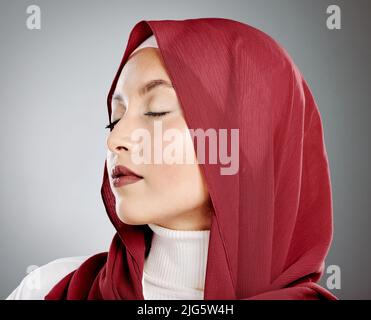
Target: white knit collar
[173,234]
[177,261]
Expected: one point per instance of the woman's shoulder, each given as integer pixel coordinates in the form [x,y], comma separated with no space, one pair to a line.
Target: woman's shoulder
[37,284]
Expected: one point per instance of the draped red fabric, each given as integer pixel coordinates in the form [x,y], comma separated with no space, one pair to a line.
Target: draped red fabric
[272,226]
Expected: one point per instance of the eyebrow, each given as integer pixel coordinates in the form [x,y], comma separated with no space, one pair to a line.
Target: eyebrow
[147,87]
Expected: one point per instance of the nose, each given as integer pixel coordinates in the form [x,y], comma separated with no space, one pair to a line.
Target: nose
[117,143]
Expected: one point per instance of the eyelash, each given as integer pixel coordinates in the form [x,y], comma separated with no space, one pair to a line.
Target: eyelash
[149,114]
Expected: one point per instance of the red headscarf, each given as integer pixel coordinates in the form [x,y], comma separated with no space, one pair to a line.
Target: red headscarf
[272,225]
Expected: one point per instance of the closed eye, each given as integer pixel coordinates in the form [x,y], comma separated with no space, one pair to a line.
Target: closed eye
[111,125]
[149,114]
[156,114]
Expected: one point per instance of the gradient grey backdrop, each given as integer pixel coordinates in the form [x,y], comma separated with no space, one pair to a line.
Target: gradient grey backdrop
[53,87]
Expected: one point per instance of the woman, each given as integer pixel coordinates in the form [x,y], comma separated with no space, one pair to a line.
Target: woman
[202,231]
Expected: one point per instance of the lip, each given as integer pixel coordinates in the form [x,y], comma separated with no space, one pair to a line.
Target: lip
[122,176]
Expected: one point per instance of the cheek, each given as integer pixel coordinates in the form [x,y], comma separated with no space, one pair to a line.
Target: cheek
[181,180]
[178,186]
[175,174]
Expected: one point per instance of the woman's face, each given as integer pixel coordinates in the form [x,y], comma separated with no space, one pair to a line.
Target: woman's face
[173,195]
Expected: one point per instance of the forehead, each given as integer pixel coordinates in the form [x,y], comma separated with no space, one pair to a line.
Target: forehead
[143,66]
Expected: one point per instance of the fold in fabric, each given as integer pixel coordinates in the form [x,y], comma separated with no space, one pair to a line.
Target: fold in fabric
[272,226]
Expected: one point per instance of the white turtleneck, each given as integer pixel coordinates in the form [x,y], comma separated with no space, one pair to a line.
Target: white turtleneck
[175,267]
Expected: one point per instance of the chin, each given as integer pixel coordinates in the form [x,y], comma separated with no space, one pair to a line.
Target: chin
[129,217]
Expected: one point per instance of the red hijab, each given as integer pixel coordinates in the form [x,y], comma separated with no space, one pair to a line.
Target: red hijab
[272,226]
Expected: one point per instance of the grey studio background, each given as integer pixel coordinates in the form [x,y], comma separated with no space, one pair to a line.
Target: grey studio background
[53,87]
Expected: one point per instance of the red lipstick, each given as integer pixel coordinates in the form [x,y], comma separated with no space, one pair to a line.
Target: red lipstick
[122,176]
